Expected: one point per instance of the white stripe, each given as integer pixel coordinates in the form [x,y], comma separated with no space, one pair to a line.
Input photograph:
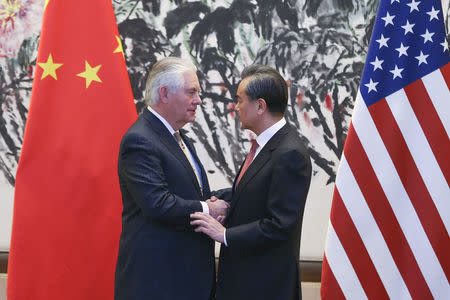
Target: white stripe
[421,152]
[440,96]
[370,233]
[397,196]
[342,268]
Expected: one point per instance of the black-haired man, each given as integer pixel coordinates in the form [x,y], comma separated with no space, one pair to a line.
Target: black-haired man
[261,236]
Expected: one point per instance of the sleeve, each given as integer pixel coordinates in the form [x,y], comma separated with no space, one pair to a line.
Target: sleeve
[141,170]
[224,194]
[286,201]
[205,207]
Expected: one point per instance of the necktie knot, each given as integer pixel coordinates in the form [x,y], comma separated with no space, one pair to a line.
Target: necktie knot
[177,136]
[254,145]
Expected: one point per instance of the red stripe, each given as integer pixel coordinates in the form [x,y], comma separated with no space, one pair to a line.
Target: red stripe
[445,70]
[413,182]
[431,124]
[330,288]
[385,217]
[355,249]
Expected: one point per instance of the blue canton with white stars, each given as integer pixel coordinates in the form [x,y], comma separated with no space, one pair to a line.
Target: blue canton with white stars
[408,42]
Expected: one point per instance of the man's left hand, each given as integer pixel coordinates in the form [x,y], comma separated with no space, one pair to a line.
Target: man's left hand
[208,225]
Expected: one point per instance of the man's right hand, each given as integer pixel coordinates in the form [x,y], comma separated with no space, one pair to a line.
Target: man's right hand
[218,207]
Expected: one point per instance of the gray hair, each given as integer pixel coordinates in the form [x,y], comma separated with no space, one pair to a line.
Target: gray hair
[166,72]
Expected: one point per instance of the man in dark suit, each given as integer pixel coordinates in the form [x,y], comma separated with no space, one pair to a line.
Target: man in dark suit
[162,182]
[261,238]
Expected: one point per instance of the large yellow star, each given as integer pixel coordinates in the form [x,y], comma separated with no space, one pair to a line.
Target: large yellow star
[90,74]
[119,48]
[46,2]
[49,67]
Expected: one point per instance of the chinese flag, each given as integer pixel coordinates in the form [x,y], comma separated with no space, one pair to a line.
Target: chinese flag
[67,209]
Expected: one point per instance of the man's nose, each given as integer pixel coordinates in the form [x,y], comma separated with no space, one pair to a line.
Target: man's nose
[197,99]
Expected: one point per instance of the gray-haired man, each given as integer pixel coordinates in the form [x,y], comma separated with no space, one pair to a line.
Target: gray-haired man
[162,182]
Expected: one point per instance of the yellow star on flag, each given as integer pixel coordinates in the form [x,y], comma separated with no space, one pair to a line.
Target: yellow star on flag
[49,67]
[90,74]
[46,2]
[119,48]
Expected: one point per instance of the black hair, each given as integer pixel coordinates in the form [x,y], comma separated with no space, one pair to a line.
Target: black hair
[266,83]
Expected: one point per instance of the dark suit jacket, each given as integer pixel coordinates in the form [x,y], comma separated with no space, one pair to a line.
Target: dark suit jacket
[264,224]
[160,256]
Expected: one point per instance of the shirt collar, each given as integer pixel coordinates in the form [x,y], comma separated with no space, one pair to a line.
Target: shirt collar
[267,134]
[161,118]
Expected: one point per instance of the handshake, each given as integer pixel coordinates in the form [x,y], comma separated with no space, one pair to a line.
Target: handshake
[212,224]
[218,208]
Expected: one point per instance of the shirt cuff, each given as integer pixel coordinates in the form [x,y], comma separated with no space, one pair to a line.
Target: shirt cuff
[225,237]
[205,207]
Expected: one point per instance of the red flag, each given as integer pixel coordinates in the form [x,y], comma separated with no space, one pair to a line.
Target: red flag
[388,236]
[67,209]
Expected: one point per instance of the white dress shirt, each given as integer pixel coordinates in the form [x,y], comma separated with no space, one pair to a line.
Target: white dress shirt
[194,162]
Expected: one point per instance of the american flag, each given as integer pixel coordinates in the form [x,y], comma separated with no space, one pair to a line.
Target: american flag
[388,236]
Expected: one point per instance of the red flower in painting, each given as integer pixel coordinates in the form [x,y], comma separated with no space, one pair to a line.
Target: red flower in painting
[328,102]
[19,19]
[230,107]
[300,98]
[307,118]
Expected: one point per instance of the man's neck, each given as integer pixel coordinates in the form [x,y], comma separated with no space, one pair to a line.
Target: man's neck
[266,122]
[163,113]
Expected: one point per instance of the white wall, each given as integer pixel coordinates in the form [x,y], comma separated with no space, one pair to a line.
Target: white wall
[6,209]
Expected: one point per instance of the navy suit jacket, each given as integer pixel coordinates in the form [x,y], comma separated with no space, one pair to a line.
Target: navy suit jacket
[264,224]
[160,256]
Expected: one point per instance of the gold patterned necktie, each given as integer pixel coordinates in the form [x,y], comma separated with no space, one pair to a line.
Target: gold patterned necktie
[185,151]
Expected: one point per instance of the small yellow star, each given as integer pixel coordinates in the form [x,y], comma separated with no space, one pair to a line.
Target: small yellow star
[46,2]
[90,74]
[119,48]
[49,67]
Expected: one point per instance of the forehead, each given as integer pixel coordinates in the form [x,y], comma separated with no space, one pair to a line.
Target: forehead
[191,80]
[241,88]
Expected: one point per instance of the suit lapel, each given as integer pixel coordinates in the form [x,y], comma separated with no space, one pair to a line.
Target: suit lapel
[171,144]
[261,159]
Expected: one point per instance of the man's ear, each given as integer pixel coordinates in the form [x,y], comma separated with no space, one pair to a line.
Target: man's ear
[163,92]
[262,106]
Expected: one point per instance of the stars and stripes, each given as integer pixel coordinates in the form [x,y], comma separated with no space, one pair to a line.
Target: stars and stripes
[390,218]
[406,34]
